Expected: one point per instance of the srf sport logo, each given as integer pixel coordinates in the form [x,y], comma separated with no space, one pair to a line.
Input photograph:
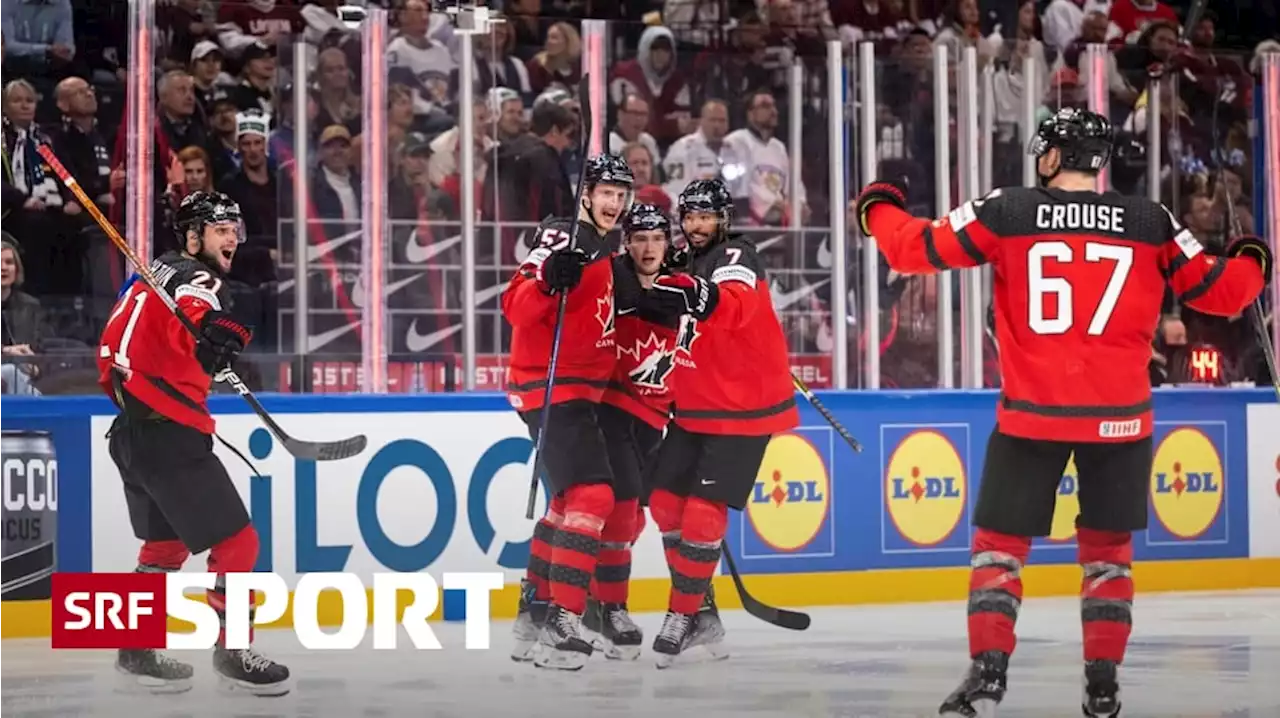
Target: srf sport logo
[653,362]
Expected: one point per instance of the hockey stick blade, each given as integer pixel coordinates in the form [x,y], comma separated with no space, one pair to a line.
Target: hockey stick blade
[826,414]
[584,107]
[317,451]
[780,617]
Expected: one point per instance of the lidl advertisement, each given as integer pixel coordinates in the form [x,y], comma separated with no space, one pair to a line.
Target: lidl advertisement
[443,483]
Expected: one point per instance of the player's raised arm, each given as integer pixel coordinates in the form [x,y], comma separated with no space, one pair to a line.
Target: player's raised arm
[550,268]
[1223,286]
[913,245]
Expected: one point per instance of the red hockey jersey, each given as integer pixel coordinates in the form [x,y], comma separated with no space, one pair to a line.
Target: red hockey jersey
[1079,279]
[733,374]
[642,380]
[587,349]
[153,353]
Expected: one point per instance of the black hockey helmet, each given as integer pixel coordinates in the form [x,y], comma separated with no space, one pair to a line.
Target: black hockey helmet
[1085,139]
[707,195]
[200,209]
[645,218]
[608,169]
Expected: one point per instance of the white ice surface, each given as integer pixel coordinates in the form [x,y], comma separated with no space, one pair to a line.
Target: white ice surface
[1192,655]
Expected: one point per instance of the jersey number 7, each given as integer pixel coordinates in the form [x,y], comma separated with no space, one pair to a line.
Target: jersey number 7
[1041,286]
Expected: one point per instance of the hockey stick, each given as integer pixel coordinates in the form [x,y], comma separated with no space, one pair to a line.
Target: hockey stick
[307,450]
[826,414]
[779,617]
[584,106]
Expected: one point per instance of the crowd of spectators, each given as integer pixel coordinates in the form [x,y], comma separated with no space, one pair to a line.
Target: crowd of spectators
[695,90]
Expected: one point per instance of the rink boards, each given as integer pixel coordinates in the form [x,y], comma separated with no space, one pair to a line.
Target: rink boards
[443,483]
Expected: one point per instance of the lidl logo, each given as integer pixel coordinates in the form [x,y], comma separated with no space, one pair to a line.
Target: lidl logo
[1067,505]
[1187,482]
[926,489]
[790,505]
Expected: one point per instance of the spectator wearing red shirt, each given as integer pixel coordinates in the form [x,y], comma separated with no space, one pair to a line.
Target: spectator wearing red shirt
[1132,16]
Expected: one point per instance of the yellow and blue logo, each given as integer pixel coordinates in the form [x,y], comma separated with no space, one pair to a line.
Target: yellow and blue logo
[1067,506]
[790,505]
[926,490]
[1187,483]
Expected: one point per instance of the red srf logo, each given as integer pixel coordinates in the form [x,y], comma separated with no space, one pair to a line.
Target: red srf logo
[109,610]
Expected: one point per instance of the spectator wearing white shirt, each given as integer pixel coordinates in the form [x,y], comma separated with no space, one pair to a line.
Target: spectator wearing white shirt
[702,154]
[1063,20]
[428,59]
[761,183]
[632,118]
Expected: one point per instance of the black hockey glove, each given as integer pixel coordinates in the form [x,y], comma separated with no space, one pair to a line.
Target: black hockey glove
[893,192]
[1254,248]
[560,271]
[221,341]
[685,294]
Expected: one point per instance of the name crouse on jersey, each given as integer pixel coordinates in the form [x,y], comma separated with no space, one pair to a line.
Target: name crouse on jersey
[150,348]
[1079,279]
[733,372]
[646,341]
[587,349]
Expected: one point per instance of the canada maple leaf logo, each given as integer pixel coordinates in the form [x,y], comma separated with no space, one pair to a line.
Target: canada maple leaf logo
[654,363]
[604,311]
[688,335]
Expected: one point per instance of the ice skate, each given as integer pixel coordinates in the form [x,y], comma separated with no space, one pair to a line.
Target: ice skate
[1101,690]
[149,670]
[247,671]
[561,645]
[981,690]
[708,629]
[610,629]
[531,614]
[673,637]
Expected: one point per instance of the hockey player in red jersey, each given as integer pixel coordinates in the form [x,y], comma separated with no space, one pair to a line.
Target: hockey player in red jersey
[181,500]
[732,392]
[566,542]
[1079,278]
[636,407]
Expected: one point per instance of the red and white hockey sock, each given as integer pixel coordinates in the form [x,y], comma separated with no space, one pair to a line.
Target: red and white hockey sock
[667,510]
[613,567]
[539,571]
[701,531]
[162,556]
[1106,592]
[995,590]
[577,544]
[236,554]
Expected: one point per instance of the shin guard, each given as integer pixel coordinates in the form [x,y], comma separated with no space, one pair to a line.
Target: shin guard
[702,529]
[236,554]
[667,511]
[576,545]
[1106,592]
[539,571]
[995,590]
[613,568]
[162,556]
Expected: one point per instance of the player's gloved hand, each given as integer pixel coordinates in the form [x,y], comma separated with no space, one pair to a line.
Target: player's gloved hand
[685,294]
[221,340]
[1254,248]
[560,271]
[893,192]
